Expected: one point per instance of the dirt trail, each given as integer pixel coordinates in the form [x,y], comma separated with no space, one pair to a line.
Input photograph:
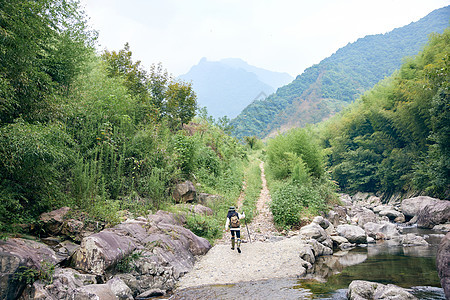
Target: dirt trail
[269,255]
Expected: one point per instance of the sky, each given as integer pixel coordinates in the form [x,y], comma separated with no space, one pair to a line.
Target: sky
[278,35]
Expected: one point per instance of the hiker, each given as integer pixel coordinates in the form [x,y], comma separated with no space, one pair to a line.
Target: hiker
[234,224]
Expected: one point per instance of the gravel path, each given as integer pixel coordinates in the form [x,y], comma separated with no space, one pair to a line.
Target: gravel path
[268,256]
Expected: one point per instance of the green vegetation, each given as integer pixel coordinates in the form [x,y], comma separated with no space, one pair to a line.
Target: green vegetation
[299,185]
[395,138]
[324,89]
[96,132]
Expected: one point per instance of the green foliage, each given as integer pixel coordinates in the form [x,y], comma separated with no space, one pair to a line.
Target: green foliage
[253,186]
[125,265]
[395,138]
[294,149]
[297,179]
[29,275]
[33,169]
[205,226]
[44,47]
[98,133]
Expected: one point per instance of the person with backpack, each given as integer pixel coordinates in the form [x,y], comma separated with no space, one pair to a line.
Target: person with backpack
[233,223]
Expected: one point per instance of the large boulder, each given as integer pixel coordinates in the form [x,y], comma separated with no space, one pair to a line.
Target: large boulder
[62,286]
[411,239]
[316,232]
[381,231]
[432,215]
[412,206]
[160,237]
[366,290]
[104,249]
[68,223]
[354,234]
[17,257]
[443,264]
[184,192]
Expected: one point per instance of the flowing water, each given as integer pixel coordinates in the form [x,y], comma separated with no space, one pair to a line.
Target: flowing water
[413,268]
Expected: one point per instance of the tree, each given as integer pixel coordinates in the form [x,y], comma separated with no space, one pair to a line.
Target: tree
[120,64]
[35,36]
[181,101]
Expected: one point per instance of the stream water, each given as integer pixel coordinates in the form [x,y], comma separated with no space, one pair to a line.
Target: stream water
[413,268]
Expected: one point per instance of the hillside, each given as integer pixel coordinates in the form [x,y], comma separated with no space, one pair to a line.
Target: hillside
[327,87]
[227,86]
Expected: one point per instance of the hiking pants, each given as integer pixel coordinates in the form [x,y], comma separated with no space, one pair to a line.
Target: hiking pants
[238,233]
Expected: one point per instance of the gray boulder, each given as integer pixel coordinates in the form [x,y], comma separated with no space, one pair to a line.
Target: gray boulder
[19,255]
[184,192]
[354,234]
[381,231]
[316,232]
[412,206]
[64,283]
[366,290]
[431,215]
[443,264]
[411,239]
[158,242]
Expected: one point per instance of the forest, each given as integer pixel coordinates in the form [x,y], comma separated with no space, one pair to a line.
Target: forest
[395,139]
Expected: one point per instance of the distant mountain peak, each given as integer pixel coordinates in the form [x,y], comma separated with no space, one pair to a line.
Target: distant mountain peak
[227,86]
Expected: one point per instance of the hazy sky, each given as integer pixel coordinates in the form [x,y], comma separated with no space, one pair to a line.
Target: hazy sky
[278,35]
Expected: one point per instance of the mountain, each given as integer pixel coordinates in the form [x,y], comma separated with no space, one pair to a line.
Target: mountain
[227,86]
[325,88]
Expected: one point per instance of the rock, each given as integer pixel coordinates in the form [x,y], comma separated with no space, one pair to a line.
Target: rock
[319,220]
[103,250]
[120,289]
[412,206]
[208,199]
[390,213]
[63,285]
[94,292]
[382,230]
[400,219]
[411,239]
[159,248]
[354,234]
[18,255]
[197,209]
[366,216]
[184,192]
[443,264]
[338,240]
[52,222]
[346,200]
[306,253]
[366,290]
[314,231]
[319,249]
[431,215]
[337,216]
[359,196]
[442,227]
[151,293]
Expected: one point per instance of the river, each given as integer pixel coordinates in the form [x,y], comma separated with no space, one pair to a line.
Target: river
[385,262]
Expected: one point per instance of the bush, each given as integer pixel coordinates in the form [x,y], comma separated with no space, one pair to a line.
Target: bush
[33,169]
